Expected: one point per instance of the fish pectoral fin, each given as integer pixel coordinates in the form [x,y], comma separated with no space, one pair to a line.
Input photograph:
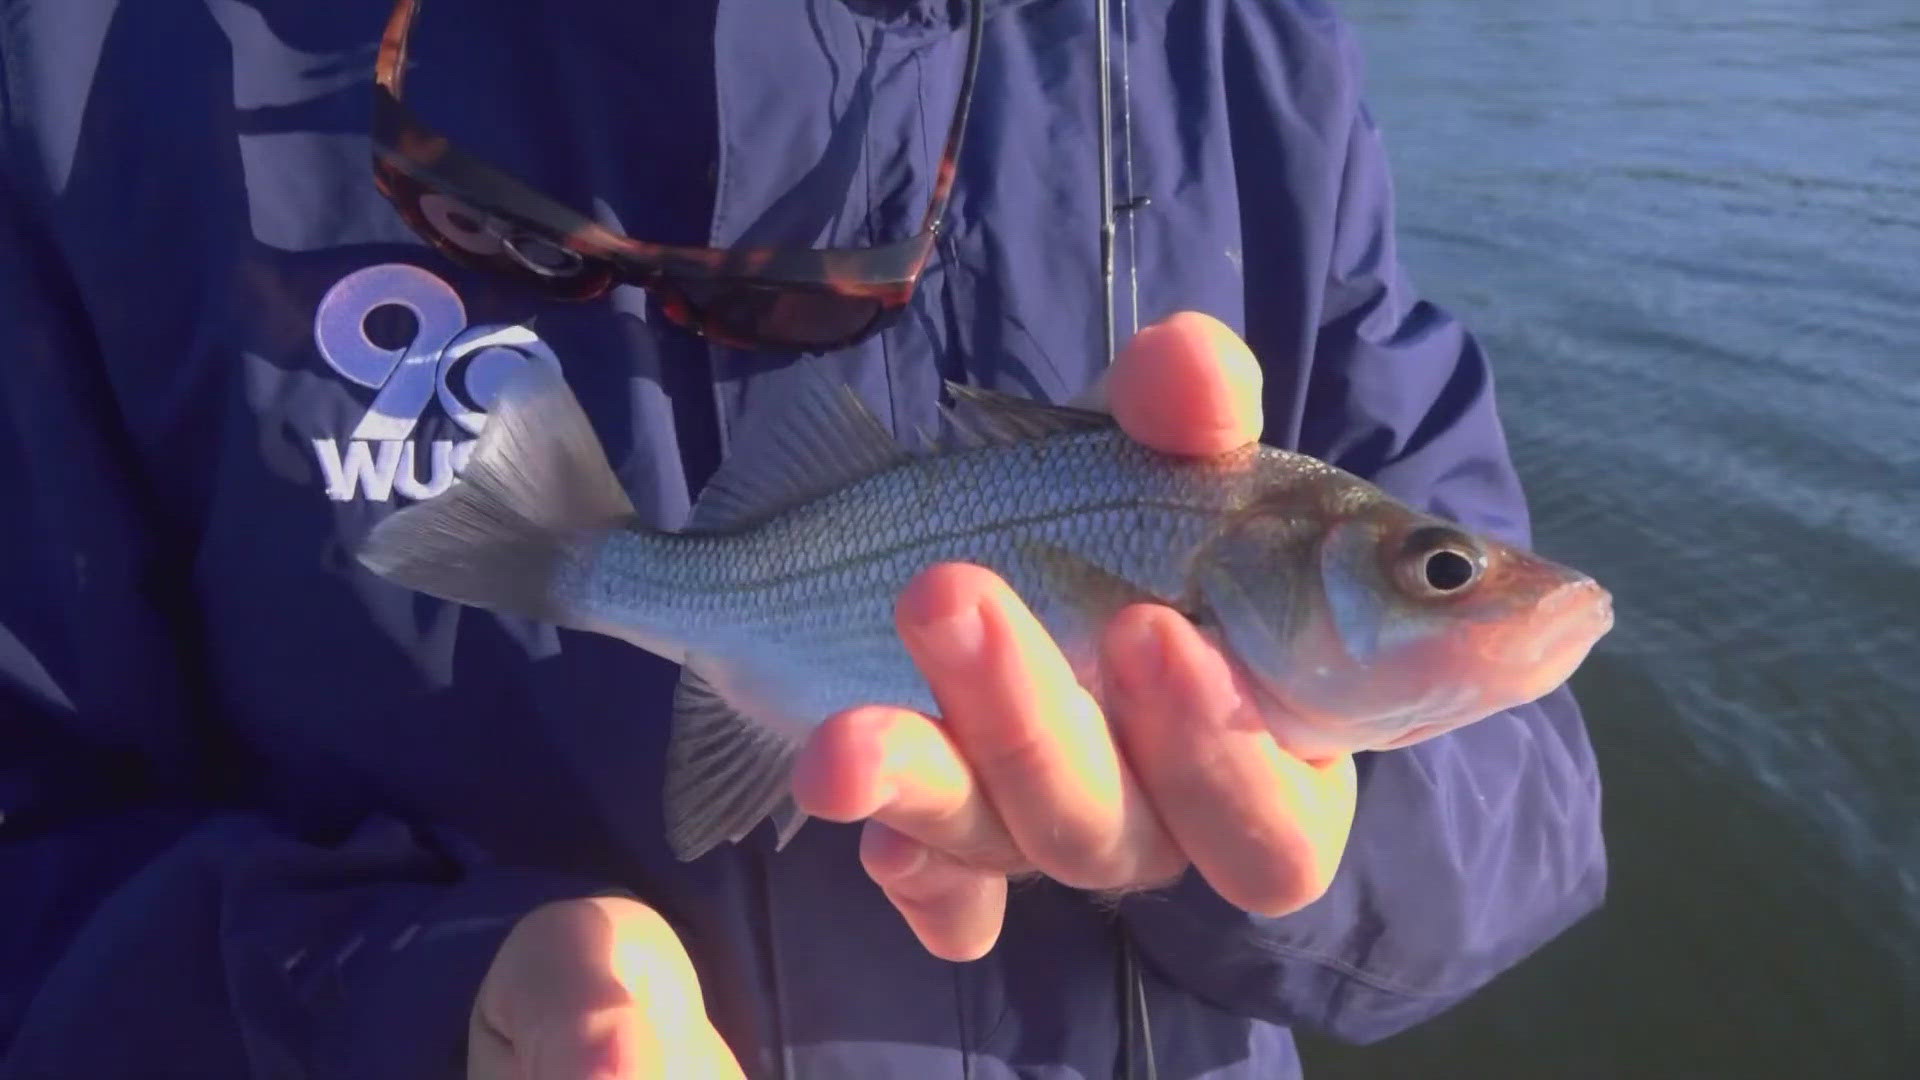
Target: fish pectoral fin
[820,439]
[1257,634]
[725,772]
[1091,591]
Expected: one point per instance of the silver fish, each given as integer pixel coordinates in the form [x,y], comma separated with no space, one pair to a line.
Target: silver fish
[1363,623]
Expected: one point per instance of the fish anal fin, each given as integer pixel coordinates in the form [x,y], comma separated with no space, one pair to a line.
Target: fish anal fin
[726,772]
[787,819]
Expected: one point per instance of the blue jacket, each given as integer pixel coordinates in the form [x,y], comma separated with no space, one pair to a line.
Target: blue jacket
[265,815]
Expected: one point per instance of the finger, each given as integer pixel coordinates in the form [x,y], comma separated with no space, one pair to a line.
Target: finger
[1185,385]
[1038,746]
[899,768]
[1265,829]
[954,909]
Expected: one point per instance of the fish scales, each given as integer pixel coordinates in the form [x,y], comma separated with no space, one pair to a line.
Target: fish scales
[968,501]
[808,596]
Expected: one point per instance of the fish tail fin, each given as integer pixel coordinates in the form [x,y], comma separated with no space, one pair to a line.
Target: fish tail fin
[538,484]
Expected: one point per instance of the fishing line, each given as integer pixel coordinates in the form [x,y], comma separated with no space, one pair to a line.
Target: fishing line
[1102,62]
[1136,1052]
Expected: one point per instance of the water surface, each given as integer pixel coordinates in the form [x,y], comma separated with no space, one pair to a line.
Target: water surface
[1689,232]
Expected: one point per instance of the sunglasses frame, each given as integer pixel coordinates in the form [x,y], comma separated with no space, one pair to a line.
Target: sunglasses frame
[412,161]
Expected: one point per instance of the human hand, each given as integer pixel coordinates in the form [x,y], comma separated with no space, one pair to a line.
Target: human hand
[593,989]
[1025,773]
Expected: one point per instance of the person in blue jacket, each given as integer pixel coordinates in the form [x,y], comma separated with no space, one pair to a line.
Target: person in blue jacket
[265,815]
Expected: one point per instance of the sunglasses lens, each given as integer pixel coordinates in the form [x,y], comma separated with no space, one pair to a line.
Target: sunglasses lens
[456,223]
[542,256]
[778,317]
[495,242]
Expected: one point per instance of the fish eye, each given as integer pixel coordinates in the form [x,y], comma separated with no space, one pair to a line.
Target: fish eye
[1438,561]
[1447,570]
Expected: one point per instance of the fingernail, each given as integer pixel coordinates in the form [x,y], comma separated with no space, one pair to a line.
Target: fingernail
[956,638]
[1141,648]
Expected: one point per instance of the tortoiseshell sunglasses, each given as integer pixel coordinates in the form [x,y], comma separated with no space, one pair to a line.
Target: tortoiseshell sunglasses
[776,299]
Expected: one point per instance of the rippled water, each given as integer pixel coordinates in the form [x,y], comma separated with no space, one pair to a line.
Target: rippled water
[1690,233]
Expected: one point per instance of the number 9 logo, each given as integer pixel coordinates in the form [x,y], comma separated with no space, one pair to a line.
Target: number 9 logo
[464,367]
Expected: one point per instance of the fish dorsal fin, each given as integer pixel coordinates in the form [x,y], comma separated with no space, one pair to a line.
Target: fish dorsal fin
[822,439]
[982,417]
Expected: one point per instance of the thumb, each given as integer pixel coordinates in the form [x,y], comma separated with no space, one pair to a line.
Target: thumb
[1185,385]
[672,1036]
[593,989]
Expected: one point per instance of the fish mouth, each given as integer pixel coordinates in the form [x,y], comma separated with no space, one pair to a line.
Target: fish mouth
[1544,651]
[1581,614]
[1539,655]
[1571,617]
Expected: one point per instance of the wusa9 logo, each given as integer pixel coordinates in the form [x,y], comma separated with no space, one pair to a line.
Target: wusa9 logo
[445,362]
